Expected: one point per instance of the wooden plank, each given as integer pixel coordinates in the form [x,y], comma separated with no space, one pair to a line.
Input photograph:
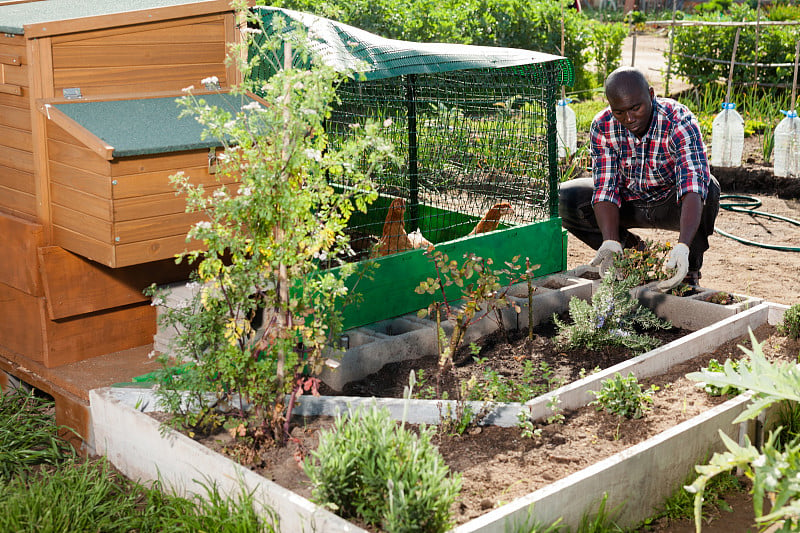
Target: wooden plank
[144,229]
[96,334]
[61,27]
[170,163]
[18,139]
[83,224]
[153,250]
[155,78]
[232,37]
[74,285]
[144,53]
[15,75]
[148,183]
[10,59]
[58,118]
[83,180]
[39,52]
[15,117]
[21,101]
[138,207]
[191,29]
[19,240]
[17,159]
[17,203]
[10,89]
[22,327]
[82,202]
[100,252]
[77,157]
[17,179]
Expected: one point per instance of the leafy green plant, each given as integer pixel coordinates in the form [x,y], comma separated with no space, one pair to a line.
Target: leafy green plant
[680,504]
[370,467]
[716,366]
[646,264]
[28,434]
[788,419]
[610,318]
[623,396]
[484,297]
[790,325]
[264,311]
[774,469]
[606,49]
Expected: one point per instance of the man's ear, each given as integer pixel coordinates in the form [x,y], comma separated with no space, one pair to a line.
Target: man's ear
[652,93]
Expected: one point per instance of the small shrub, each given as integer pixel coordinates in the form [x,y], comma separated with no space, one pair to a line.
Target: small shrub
[623,396]
[790,326]
[370,467]
[610,318]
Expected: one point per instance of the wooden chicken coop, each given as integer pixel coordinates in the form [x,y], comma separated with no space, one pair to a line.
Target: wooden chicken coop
[88,137]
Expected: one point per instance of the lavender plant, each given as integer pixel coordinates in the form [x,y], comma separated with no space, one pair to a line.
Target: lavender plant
[610,318]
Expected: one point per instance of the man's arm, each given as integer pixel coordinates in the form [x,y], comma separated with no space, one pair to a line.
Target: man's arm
[691,212]
[607,215]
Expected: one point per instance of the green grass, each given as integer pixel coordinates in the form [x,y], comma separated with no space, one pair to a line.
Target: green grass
[46,487]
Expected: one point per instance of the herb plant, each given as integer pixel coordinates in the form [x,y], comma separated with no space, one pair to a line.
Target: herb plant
[264,310]
[790,325]
[623,396]
[716,366]
[370,467]
[610,318]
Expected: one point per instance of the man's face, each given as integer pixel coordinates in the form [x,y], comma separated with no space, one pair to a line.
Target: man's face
[632,108]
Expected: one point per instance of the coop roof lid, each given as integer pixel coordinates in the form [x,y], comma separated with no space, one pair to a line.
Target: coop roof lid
[144,126]
[15,17]
[350,49]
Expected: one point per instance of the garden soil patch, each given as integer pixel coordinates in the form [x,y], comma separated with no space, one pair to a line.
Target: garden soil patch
[498,465]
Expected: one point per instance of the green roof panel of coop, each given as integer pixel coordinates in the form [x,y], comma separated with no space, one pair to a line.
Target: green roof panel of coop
[350,49]
[148,125]
[13,17]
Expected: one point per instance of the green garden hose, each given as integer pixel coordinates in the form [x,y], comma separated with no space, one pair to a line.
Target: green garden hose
[747,204]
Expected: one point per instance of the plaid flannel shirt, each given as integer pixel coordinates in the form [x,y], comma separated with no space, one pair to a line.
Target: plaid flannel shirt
[670,153]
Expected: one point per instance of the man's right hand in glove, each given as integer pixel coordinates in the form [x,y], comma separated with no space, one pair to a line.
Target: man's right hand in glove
[605,256]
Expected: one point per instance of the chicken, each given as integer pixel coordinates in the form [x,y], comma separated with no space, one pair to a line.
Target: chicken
[394,238]
[418,240]
[492,218]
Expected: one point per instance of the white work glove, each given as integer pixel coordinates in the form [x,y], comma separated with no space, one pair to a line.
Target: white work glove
[605,256]
[679,260]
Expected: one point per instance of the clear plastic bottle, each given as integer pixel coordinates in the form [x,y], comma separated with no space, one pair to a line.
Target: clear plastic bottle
[787,146]
[566,128]
[727,137]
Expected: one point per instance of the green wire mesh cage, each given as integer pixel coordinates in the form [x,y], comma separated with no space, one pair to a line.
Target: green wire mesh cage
[474,129]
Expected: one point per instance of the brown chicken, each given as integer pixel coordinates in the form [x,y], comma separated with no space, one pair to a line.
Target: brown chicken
[394,238]
[492,218]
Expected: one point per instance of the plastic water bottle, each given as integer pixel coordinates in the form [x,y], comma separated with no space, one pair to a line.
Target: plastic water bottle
[566,128]
[787,146]
[727,137]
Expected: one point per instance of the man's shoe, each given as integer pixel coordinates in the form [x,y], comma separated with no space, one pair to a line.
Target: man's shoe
[693,278]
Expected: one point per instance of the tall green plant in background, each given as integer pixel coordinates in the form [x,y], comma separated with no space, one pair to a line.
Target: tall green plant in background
[265,240]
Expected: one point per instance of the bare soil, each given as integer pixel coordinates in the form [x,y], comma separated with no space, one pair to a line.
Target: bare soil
[498,465]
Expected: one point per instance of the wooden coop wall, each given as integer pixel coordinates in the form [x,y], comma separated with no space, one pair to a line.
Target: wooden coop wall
[158,57]
[83,235]
[17,185]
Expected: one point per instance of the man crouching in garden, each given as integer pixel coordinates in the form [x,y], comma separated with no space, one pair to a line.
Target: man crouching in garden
[649,170]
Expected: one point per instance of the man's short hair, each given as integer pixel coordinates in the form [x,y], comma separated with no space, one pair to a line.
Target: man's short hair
[624,79]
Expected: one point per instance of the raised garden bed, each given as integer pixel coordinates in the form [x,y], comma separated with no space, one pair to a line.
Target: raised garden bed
[651,469]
